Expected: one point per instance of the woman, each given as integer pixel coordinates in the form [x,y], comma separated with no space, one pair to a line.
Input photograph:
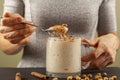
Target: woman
[84,18]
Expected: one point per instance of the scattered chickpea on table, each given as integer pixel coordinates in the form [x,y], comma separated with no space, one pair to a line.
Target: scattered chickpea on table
[98,76]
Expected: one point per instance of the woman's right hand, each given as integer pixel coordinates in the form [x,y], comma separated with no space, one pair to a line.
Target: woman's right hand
[15,32]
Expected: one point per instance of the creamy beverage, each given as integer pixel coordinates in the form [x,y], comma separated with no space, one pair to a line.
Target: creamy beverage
[63,53]
[63,57]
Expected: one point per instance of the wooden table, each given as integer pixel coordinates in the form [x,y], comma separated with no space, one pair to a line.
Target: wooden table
[9,73]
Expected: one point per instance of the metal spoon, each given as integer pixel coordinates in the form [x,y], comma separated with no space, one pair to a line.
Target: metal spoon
[45,30]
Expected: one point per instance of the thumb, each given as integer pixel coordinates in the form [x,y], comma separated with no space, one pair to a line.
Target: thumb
[93,42]
[24,41]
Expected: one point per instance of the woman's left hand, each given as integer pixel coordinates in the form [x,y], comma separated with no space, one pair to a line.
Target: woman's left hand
[104,54]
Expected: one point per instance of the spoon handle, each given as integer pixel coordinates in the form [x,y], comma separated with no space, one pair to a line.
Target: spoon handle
[29,24]
[33,25]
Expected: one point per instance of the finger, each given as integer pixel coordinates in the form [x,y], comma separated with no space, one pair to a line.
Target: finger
[105,63]
[99,51]
[12,15]
[20,32]
[18,40]
[105,59]
[94,54]
[9,21]
[24,41]
[88,57]
[98,63]
[93,42]
[13,28]
[6,14]
[14,18]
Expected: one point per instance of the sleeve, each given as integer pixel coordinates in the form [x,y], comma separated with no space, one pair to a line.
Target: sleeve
[107,17]
[14,6]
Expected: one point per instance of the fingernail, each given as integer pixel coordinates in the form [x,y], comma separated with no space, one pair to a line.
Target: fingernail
[6,14]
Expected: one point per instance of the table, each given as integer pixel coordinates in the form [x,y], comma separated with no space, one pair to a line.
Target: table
[9,73]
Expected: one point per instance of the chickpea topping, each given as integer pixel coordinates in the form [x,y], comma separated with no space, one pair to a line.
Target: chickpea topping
[60,30]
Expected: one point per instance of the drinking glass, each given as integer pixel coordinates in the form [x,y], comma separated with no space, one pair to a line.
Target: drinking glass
[63,57]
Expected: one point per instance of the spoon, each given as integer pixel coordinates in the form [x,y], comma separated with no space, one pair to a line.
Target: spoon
[45,30]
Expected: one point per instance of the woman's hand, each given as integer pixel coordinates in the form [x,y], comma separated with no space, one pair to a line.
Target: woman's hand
[105,52]
[13,31]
